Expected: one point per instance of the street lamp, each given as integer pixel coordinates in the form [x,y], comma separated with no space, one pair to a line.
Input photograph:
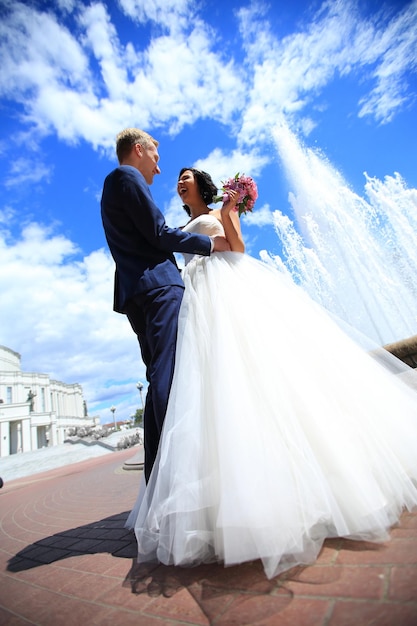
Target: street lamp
[139,387]
[113,410]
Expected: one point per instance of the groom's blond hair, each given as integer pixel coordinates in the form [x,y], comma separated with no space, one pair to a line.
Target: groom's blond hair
[128,137]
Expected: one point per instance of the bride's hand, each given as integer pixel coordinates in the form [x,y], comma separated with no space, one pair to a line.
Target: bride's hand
[231,203]
[229,217]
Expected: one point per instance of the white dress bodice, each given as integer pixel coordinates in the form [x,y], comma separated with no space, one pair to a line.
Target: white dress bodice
[205,224]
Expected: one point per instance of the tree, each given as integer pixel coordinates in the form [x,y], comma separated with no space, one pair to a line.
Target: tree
[138,417]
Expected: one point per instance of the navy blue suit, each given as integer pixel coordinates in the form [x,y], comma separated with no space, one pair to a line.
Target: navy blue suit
[148,286]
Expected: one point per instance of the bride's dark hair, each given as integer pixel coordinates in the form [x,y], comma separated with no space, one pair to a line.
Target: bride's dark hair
[205,185]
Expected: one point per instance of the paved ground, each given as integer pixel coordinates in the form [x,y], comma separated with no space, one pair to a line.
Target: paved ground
[67,559]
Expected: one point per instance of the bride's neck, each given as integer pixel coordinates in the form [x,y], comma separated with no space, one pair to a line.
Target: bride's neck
[198,209]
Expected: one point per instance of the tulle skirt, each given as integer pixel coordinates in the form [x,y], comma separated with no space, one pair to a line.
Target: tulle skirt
[280,431]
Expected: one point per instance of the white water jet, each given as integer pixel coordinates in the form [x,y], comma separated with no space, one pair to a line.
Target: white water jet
[357,257]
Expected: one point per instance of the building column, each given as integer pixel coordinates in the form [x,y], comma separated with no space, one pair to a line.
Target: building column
[4,439]
[53,432]
[34,437]
[26,436]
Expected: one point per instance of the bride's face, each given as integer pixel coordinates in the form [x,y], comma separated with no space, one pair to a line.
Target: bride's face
[187,188]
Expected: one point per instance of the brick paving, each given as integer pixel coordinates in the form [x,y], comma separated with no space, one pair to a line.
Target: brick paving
[66,559]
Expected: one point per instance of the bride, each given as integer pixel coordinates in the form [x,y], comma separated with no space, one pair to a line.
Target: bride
[280,430]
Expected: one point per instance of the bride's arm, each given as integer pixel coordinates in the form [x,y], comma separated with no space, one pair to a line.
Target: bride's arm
[231,224]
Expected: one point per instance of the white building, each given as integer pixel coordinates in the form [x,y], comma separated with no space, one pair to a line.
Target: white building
[36,411]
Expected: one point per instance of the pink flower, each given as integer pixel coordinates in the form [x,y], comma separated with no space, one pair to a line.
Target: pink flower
[248,192]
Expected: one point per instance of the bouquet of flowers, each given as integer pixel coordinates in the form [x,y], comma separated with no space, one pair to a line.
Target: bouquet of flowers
[248,192]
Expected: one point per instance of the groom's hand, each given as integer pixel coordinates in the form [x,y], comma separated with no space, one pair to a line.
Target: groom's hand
[220,244]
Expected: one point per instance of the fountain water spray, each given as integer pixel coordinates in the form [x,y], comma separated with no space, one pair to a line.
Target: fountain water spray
[357,257]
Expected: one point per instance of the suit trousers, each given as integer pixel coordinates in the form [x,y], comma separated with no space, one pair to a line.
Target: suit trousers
[153,316]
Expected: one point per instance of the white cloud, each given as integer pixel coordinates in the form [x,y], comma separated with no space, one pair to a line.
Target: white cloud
[57,313]
[51,72]
[290,73]
[101,37]
[398,54]
[177,90]
[66,5]
[27,171]
[172,79]
[261,216]
[7,215]
[221,165]
[171,14]
[36,51]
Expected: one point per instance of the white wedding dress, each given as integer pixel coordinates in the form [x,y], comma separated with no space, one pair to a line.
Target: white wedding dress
[280,431]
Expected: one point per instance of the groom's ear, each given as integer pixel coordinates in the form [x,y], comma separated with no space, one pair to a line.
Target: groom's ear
[138,150]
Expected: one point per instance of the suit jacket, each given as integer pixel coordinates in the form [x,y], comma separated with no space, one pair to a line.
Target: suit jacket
[140,242]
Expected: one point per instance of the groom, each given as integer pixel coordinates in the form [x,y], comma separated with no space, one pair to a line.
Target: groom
[148,287]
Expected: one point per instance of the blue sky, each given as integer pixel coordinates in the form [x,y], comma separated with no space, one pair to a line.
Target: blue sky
[276,90]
